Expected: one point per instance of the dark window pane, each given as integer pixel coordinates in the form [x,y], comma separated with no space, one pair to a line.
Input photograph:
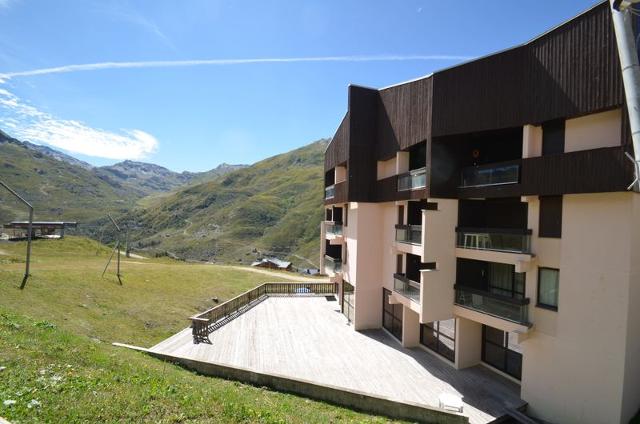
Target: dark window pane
[494,335]
[494,355]
[548,282]
[429,338]
[448,328]
[553,137]
[514,364]
[550,216]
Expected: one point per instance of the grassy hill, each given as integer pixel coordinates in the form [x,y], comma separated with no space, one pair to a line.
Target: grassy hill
[56,353]
[272,207]
[57,188]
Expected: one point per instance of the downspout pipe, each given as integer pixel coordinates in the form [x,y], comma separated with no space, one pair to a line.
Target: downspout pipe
[622,23]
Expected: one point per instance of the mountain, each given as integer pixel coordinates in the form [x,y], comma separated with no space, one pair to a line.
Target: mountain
[147,178]
[58,186]
[62,187]
[273,207]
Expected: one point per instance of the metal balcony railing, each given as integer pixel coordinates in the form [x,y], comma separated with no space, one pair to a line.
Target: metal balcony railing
[511,309]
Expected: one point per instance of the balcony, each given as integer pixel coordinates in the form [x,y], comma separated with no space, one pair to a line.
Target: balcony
[413,180]
[332,265]
[333,228]
[410,234]
[406,287]
[491,174]
[496,239]
[508,308]
[329,192]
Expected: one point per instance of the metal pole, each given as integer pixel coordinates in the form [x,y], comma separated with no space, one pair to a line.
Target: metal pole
[631,79]
[30,229]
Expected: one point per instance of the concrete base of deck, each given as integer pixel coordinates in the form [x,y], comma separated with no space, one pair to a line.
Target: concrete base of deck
[308,339]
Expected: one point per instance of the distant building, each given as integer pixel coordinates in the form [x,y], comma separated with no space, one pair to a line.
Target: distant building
[273,263]
[39,229]
[310,271]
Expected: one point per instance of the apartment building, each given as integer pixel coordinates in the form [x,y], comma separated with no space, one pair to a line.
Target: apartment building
[481,213]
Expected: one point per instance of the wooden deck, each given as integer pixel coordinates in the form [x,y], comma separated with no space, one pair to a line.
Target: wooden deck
[308,338]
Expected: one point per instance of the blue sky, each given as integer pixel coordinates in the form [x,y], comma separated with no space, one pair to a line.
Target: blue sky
[194,117]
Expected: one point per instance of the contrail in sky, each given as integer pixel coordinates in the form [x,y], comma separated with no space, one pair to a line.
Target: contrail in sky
[220,62]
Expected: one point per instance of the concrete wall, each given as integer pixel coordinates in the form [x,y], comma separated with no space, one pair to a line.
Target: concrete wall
[593,131]
[386,168]
[438,232]
[468,343]
[531,141]
[337,396]
[575,361]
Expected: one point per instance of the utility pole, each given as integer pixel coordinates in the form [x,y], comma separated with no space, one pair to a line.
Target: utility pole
[29,233]
[621,13]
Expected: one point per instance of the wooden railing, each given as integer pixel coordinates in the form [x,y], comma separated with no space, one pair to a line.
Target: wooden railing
[203,323]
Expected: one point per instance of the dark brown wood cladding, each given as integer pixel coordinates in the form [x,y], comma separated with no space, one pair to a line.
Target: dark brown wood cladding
[589,171]
[338,149]
[362,167]
[571,71]
[341,194]
[403,117]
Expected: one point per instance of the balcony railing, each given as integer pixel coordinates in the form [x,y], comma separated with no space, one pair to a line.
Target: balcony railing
[511,309]
[499,239]
[406,287]
[411,234]
[413,180]
[334,228]
[491,174]
[332,265]
[330,192]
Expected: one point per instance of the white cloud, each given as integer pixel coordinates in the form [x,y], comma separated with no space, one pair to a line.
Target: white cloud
[222,62]
[31,124]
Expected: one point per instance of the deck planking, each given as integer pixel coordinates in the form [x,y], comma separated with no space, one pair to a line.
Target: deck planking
[308,338]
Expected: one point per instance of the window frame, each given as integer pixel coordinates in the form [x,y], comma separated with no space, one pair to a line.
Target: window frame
[544,305]
[435,327]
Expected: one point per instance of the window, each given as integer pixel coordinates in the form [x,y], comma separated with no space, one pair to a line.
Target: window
[553,137]
[550,224]
[440,336]
[501,350]
[401,215]
[391,315]
[548,285]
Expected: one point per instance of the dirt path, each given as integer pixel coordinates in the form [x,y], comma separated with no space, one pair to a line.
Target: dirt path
[279,275]
[292,277]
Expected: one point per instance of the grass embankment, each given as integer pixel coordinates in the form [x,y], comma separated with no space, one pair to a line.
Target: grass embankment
[56,358]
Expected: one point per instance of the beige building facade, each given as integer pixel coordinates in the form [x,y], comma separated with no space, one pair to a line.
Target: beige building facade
[512,245]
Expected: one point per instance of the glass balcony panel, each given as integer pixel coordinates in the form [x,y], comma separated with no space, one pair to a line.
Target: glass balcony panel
[413,180]
[494,239]
[406,287]
[334,228]
[332,265]
[502,307]
[330,192]
[411,234]
[487,175]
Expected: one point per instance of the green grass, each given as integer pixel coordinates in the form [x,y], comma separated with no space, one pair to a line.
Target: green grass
[55,343]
